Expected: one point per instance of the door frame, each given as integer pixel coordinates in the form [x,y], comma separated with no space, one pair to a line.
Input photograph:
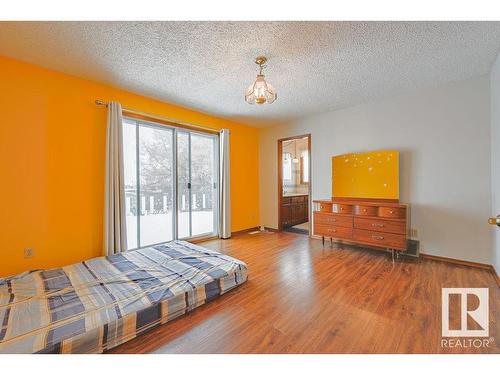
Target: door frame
[280,177]
[215,186]
[162,125]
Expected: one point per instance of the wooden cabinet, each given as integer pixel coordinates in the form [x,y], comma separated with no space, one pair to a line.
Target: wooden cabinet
[360,210]
[333,231]
[294,210]
[286,214]
[378,224]
[389,226]
[384,239]
[324,218]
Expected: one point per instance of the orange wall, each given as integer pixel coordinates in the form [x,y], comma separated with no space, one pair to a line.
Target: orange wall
[52,143]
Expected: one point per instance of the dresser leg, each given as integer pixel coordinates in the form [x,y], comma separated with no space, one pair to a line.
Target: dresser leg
[323,239]
[331,242]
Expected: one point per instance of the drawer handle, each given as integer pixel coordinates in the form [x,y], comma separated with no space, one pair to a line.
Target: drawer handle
[364,209]
[332,220]
[378,237]
[391,212]
[332,230]
[378,225]
[341,208]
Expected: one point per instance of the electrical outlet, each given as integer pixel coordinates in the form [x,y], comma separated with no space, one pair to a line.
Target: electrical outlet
[414,233]
[29,253]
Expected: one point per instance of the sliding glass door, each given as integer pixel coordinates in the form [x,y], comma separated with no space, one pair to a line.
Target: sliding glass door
[171,182]
[197,160]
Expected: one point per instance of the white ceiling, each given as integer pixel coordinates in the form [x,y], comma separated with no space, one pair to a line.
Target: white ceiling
[314,66]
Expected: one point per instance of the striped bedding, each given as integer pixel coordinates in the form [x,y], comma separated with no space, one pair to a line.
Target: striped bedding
[95,305]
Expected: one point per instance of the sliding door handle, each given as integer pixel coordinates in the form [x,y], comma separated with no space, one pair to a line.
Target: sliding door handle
[494,221]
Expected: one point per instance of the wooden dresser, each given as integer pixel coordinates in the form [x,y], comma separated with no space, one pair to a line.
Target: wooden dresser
[372,223]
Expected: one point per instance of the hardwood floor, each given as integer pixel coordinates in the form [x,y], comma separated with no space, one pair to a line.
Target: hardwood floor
[303,298]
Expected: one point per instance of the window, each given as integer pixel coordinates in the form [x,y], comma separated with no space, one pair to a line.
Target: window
[171,182]
[287,166]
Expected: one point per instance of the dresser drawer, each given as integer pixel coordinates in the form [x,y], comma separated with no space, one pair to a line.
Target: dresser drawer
[332,231]
[380,225]
[392,212]
[341,208]
[365,210]
[332,219]
[325,207]
[397,241]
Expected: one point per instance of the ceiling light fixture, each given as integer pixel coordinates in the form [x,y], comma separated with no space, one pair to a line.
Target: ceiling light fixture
[260,92]
[295,159]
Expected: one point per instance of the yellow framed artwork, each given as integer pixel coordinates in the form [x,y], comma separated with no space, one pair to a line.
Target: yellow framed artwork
[373,174]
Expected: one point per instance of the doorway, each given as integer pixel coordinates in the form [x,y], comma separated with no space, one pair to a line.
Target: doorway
[294,184]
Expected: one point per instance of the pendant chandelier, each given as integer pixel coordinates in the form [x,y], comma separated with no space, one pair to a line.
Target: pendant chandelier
[295,159]
[260,92]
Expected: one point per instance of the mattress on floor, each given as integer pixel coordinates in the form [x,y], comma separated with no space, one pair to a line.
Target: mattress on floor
[95,305]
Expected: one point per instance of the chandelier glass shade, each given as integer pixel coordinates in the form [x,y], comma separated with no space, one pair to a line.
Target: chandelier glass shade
[260,92]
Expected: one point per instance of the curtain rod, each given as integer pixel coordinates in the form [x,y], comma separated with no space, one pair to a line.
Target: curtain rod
[167,120]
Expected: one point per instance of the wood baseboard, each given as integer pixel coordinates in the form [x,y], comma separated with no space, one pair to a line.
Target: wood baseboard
[271,229]
[457,261]
[467,263]
[244,231]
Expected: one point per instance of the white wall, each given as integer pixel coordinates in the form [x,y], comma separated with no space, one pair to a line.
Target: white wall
[444,138]
[495,156]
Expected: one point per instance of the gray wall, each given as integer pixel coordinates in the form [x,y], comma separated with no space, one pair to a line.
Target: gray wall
[443,134]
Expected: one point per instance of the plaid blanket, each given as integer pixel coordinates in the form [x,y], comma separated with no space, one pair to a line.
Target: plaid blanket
[97,304]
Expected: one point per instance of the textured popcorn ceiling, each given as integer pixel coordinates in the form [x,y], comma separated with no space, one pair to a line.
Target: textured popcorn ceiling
[314,66]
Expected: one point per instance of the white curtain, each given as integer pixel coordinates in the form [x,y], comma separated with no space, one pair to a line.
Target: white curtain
[115,235]
[225,191]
